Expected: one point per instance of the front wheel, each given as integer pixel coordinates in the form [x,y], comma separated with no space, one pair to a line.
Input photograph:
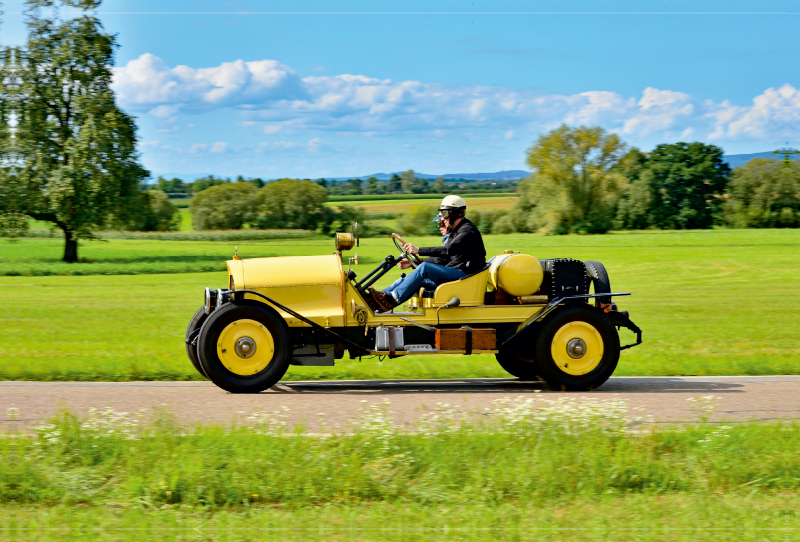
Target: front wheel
[577,349]
[191,338]
[244,347]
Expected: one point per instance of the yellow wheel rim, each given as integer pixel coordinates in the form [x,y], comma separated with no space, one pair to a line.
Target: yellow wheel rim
[577,348]
[245,347]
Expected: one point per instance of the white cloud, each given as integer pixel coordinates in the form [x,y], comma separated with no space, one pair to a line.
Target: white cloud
[279,146]
[164,111]
[219,147]
[269,92]
[148,81]
[775,113]
[198,147]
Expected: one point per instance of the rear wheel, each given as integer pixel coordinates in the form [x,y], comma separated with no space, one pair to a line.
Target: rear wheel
[518,365]
[244,347]
[191,338]
[577,349]
[600,280]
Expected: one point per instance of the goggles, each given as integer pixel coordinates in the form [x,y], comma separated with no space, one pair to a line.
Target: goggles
[443,213]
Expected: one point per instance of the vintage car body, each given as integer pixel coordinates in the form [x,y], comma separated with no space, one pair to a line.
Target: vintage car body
[310,310]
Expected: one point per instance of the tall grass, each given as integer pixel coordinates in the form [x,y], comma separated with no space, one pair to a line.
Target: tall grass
[521,453]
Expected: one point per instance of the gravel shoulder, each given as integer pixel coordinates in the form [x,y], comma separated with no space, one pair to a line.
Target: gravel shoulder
[664,398]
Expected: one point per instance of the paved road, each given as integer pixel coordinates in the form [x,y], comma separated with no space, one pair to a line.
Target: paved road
[665,398]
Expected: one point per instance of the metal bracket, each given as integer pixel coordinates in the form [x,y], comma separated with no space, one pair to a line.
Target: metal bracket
[192,338]
[550,308]
[620,320]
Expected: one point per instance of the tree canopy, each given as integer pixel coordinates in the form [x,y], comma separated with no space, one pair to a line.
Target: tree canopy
[764,193]
[687,182]
[227,206]
[289,203]
[574,184]
[75,161]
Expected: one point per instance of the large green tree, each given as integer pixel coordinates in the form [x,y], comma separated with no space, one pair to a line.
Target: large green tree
[290,203]
[76,156]
[228,206]
[575,182]
[687,184]
[764,193]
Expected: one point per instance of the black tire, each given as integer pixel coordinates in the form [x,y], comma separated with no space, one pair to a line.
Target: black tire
[600,280]
[191,350]
[217,323]
[587,317]
[516,364]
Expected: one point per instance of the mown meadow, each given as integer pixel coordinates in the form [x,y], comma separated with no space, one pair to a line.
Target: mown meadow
[709,302]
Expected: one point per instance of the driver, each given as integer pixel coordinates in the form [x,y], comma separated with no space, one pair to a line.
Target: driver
[461,254]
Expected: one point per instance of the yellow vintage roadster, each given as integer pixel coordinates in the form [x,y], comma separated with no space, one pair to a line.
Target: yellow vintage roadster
[551,320]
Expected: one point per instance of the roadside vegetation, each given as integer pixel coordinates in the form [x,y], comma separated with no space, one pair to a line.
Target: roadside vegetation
[709,302]
[525,460]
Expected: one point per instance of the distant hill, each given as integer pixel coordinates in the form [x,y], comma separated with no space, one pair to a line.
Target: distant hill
[735,160]
[511,175]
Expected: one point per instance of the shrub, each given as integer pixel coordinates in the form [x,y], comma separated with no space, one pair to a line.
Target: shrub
[764,193]
[419,220]
[486,220]
[224,207]
[292,204]
[162,215]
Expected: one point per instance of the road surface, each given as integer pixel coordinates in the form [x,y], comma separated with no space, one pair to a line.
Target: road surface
[664,398]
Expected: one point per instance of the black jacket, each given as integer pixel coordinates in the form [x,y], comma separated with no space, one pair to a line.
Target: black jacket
[464,249]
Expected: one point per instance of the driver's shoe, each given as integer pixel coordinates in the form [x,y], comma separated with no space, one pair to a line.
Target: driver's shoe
[384,301]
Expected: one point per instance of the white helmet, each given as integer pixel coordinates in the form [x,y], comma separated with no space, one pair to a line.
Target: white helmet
[453,203]
[451,206]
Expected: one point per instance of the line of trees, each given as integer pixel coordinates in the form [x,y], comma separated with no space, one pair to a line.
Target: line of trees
[409,183]
[405,183]
[281,204]
[586,180]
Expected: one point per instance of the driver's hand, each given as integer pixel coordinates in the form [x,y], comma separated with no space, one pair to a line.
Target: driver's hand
[411,249]
[404,264]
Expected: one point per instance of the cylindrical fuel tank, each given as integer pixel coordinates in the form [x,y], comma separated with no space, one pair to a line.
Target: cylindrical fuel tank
[517,274]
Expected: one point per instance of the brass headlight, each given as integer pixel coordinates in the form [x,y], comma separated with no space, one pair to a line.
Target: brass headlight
[345,241]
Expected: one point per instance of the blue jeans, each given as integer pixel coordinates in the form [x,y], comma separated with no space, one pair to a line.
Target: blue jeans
[426,274]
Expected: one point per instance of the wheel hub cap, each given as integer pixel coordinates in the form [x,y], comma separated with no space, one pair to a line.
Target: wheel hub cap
[576,348]
[245,347]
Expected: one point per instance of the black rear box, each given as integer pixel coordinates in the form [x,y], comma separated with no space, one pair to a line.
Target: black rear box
[564,277]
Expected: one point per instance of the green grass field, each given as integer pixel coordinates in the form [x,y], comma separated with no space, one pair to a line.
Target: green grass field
[641,518]
[519,471]
[709,302]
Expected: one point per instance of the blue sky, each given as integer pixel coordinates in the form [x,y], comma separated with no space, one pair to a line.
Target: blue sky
[277,88]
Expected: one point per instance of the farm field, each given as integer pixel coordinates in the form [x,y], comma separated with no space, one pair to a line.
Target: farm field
[401,205]
[709,302]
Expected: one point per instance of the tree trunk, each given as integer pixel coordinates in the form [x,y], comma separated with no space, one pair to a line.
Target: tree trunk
[70,247]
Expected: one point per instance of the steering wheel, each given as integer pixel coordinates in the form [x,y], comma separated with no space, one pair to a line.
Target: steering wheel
[413,259]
